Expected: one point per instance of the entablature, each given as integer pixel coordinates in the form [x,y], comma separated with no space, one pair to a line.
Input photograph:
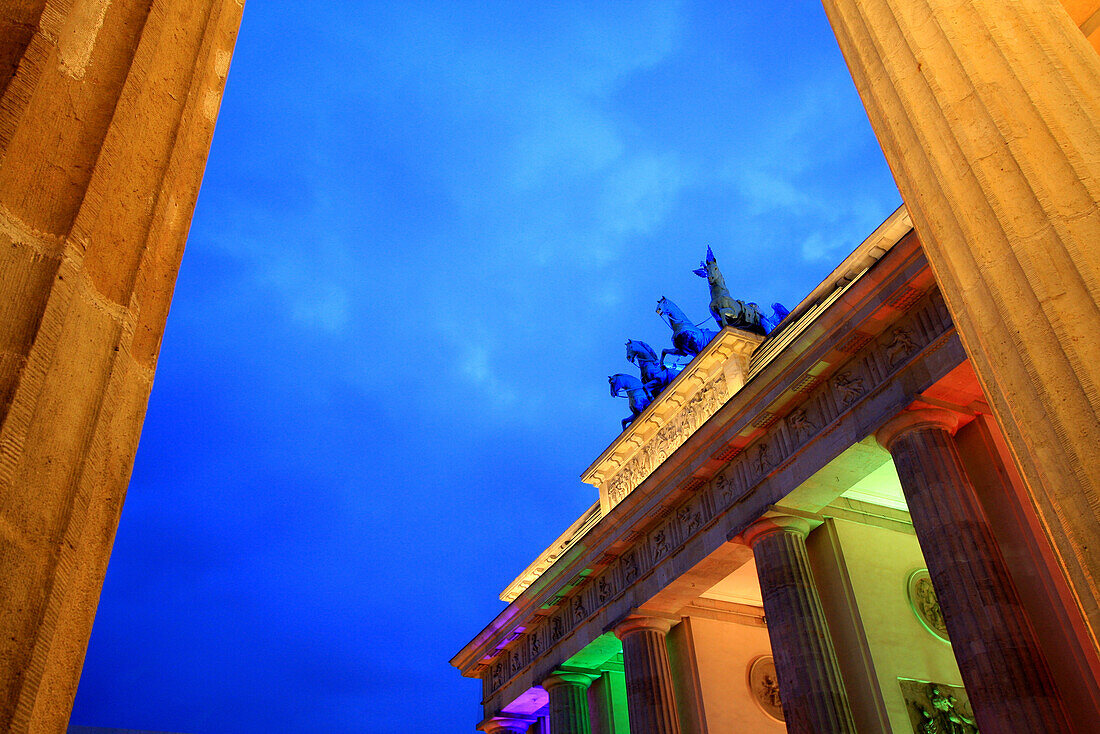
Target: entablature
[876,342]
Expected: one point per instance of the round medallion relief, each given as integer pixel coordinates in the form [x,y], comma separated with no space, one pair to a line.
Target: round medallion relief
[923,602]
[764,686]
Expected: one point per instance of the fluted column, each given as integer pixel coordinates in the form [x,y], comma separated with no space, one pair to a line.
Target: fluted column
[810,684]
[107,109]
[1006,676]
[568,693]
[989,116]
[650,699]
[506,724]
[601,705]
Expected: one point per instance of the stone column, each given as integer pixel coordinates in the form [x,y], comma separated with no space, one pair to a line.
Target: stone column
[569,702]
[1005,674]
[107,110]
[650,700]
[989,117]
[810,684]
[601,705]
[506,724]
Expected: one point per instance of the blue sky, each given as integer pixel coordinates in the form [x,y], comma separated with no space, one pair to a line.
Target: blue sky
[425,232]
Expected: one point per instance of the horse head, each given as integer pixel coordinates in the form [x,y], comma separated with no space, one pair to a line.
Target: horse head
[709,269]
[638,351]
[622,381]
[676,317]
[662,305]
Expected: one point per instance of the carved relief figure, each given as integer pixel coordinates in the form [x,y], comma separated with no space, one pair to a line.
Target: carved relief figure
[579,612]
[927,724]
[801,425]
[660,543]
[670,437]
[925,605]
[630,567]
[725,486]
[603,590]
[764,685]
[763,459]
[929,605]
[850,386]
[769,691]
[901,346]
[938,708]
[556,629]
[948,708]
[690,518]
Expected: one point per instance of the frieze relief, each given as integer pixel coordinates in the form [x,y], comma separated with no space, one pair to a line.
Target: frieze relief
[815,416]
[849,386]
[668,438]
[937,708]
[925,604]
[764,686]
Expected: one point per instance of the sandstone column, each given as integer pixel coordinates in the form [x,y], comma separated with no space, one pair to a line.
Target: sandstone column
[1005,674]
[650,700]
[506,724]
[107,109]
[569,702]
[810,684]
[989,116]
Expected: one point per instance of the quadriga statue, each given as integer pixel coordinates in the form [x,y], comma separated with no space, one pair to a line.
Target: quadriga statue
[729,311]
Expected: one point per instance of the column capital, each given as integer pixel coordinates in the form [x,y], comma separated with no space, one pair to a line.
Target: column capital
[638,622]
[915,420]
[568,678]
[506,724]
[773,524]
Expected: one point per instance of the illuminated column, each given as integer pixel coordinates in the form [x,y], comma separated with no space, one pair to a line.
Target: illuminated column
[107,109]
[989,116]
[810,684]
[506,724]
[1005,674]
[601,705]
[569,702]
[650,701]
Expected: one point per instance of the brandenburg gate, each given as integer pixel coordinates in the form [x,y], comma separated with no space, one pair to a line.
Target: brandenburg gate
[884,516]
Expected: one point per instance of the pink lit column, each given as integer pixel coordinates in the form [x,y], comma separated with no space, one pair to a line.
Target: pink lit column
[569,702]
[506,724]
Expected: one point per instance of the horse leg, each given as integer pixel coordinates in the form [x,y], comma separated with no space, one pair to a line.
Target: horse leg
[677,352]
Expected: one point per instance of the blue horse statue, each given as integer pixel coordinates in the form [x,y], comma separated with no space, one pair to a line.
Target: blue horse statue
[779,312]
[729,311]
[687,338]
[635,391]
[655,376]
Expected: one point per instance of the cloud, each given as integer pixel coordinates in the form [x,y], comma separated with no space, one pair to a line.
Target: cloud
[476,365]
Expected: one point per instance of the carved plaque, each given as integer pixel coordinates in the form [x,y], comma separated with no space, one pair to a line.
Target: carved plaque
[702,405]
[764,686]
[937,708]
[923,601]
